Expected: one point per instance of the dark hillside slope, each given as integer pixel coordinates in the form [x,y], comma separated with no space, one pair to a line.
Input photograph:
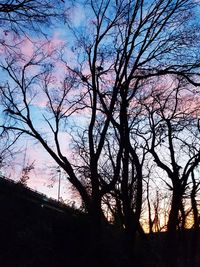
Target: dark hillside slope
[39,232]
[36,231]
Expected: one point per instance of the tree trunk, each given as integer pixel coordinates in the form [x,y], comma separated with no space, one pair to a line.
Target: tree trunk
[195,212]
[194,203]
[183,217]
[95,255]
[175,207]
[149,211]
[172,244]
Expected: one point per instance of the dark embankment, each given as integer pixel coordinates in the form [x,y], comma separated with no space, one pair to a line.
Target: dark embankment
[39,232]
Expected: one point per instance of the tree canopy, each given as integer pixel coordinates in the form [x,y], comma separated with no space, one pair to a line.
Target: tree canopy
[123,91]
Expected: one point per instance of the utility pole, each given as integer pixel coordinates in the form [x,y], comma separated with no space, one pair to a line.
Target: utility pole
[59,181]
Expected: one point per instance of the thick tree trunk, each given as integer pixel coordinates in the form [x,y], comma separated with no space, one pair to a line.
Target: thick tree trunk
[95,255]
[172,244]
[183,217]
[149,211]
[194,203]
[175,207]
[96,215]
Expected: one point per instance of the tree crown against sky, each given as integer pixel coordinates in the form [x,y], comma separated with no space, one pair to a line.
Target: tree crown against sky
[93,93]
[28,15]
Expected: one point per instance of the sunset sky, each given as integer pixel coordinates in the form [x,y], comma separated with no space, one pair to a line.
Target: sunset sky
[108,89]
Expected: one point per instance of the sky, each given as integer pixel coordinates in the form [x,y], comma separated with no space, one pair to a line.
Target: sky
[45,177]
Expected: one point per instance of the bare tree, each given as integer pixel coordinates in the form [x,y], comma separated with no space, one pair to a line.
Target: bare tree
[20,16]
[173,126]
[7,149]
[119,49]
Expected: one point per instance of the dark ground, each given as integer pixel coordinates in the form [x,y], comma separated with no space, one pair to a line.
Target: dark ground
[38,232]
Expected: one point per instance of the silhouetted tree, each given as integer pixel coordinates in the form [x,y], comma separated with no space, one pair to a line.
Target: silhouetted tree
[7,148]
[173,126]
[117,52]
[25,173]
[18,16]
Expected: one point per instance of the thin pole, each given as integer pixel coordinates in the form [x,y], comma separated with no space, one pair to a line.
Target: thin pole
[59,182]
